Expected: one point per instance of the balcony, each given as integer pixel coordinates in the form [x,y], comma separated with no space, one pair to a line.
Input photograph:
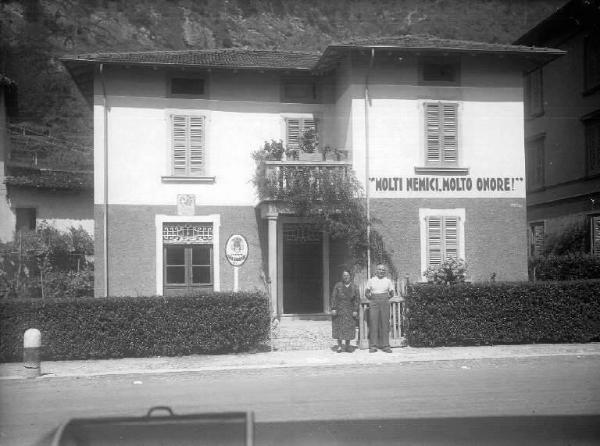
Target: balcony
[318,180]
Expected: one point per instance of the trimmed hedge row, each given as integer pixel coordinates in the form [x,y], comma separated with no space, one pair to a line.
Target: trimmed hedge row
[577,266]
[91,328]
[503,313]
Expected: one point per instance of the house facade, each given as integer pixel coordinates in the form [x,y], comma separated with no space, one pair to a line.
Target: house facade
[432,128]
[562,128]
[32,192]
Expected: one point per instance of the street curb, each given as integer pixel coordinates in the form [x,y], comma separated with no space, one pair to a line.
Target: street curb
[308,363]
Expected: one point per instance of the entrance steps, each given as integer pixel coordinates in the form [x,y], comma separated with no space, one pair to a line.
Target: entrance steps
[297,333]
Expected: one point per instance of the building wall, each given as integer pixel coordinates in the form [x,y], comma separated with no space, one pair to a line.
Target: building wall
[61,209]
[132,247]
[569,193]
[491,243]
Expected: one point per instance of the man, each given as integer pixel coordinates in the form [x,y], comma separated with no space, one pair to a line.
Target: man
[378,292]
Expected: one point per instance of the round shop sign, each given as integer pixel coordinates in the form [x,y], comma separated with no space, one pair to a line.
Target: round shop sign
[236,250]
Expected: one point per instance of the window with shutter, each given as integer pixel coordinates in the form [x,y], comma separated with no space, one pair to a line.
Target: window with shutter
[534,96]
[295,127]
[188,156]
[595,235]
[535,163]
[441,133]
[442,239]
[536,239]
[592,145]
[592,61]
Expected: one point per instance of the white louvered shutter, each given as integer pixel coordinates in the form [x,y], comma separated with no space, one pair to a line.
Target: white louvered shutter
[450,244]
[180,142]
[434,241]
[432,132]
[188,145]
[293,132]
[450,133]
[196,145]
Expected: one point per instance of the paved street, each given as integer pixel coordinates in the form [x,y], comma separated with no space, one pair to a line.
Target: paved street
[320,399]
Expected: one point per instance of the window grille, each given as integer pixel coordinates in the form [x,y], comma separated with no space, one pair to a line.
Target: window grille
[301,233]
[187,233]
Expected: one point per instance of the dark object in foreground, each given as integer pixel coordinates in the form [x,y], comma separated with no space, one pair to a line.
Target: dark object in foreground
[228,428]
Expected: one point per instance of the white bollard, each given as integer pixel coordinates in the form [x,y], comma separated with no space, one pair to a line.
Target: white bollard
[32,343]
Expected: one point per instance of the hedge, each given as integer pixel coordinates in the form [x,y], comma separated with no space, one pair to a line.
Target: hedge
[577,266]
[88,328]
[503,313]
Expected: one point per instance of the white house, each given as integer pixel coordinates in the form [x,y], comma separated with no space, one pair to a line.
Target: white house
[432,127]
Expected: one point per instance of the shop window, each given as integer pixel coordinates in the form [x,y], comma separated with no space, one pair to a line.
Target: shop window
[595,235]
[535,163]
[536,239]
[26,219]
[187,258]
[188,153]
[592,144]
[441,134]
[534,94]
[592,62]
[295,128]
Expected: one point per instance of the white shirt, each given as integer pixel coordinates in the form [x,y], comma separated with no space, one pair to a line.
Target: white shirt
[380,286]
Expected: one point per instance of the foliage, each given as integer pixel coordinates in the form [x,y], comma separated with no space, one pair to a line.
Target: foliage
[332,198]
[503,313]
[98,328]
[451,271]
[573,266]
[34,34]
[47,263]
[572,239]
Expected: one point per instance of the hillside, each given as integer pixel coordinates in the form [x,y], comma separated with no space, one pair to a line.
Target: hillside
[35,33]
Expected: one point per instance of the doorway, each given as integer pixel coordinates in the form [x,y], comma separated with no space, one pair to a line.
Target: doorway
[302,270]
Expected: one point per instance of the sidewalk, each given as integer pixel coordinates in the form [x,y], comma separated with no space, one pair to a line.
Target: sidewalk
[280,359]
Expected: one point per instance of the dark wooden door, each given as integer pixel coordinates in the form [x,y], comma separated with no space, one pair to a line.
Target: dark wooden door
[302,277]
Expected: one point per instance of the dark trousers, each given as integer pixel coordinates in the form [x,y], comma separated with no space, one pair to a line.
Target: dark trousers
[379,321]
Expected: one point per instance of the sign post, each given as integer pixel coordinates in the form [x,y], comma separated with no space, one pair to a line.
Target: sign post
[236,252]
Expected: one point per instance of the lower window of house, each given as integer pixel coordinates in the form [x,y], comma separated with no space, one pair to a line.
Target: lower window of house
[187,258]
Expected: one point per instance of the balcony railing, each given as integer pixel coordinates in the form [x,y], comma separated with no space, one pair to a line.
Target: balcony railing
[319,178]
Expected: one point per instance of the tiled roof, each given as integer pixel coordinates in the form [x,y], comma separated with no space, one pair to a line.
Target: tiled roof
[52,179]
[428,42]
[222,58]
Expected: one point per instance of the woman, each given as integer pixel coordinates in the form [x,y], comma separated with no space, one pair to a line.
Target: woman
[344,309]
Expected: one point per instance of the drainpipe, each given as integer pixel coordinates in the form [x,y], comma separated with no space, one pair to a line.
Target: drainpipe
[367,101]
[105,153]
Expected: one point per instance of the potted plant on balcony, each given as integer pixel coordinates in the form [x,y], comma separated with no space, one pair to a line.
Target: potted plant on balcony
[311,147]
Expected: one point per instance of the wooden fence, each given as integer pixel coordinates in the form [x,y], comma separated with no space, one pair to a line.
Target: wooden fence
[397,317]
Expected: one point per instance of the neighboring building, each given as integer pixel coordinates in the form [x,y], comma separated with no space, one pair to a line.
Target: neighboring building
[174,132]
[31,193]
[562,127]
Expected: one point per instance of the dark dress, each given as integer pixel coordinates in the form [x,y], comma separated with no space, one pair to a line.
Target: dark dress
[345,300]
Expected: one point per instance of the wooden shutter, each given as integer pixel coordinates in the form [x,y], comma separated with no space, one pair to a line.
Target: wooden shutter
[450,237]
[592,144]
[196,147]
[595,222]
[188,145]
[434,241]
[432,132]
[442,239]
[537,239]
[179,127]
[294,129]
[450,133]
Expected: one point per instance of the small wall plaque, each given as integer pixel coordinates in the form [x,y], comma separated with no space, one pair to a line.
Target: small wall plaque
[186,204]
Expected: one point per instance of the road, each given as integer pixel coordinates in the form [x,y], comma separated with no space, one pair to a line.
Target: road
[558,397]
